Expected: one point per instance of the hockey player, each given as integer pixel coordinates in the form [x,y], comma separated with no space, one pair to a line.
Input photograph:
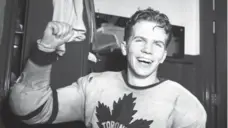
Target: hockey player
[133,98]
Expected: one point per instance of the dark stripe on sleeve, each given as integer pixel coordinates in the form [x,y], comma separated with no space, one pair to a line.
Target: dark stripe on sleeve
[55,108]
[42,58]
[32,114]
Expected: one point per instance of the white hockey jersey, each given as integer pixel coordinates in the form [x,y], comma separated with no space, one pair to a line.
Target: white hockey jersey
[104,100]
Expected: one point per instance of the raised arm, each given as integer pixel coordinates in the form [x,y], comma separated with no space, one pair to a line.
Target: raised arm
[32,99]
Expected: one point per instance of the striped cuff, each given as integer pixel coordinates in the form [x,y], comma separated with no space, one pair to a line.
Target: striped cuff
[32,114]
[55,107]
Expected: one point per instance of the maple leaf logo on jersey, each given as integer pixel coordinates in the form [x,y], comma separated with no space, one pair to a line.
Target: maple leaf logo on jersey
[121,115]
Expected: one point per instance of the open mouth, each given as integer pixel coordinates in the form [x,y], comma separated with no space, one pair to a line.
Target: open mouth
[144,60]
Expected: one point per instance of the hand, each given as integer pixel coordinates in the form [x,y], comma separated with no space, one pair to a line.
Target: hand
[56,34]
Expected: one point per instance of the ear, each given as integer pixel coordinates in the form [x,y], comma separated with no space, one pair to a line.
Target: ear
[123,47]
[163,57]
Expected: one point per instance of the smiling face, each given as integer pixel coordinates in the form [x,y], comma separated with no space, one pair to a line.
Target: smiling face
[145,49]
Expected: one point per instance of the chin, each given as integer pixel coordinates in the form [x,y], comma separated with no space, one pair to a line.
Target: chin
[143,73]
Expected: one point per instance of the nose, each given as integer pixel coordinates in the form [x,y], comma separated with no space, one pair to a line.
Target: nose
[147,48]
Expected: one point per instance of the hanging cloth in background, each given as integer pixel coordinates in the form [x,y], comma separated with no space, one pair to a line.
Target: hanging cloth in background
[71,12]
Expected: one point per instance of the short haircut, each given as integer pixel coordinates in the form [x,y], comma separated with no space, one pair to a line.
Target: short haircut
[149,14]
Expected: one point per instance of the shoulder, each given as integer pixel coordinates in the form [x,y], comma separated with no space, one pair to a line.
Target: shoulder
[181,91]
[99,75]
[99,79]
[187,104]
[104,76]
[185,100]
[184,95]
[189,110]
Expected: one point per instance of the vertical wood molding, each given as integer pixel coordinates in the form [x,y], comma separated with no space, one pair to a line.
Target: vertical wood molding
[213,60]
[207,59]
[221,59]
[6,48]
[7,18]
[2,11]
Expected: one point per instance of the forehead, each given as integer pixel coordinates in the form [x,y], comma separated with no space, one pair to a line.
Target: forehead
[149,30]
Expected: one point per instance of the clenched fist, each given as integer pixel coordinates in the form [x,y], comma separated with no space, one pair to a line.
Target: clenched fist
[55,34]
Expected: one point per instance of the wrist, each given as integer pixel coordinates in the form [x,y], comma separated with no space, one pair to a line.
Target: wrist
[42,57]
[44,47]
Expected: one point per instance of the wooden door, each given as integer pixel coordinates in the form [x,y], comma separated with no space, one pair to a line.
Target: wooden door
[213,60]
[221,61]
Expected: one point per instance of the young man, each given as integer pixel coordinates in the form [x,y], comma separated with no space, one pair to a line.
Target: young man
[135,98]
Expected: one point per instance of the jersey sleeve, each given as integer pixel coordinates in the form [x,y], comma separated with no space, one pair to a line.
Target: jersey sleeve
[33,100]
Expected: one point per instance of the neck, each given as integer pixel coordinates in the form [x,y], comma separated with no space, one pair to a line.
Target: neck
[135,80]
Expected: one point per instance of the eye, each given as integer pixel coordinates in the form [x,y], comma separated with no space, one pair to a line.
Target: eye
[138,40]
[159,44]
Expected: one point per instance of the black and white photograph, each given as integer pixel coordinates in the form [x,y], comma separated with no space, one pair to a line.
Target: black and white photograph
[113,63]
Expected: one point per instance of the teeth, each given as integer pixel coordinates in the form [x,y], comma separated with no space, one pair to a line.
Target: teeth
[144,60]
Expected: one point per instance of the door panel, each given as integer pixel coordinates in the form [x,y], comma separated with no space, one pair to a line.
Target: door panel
[6,45]
[221,62]
[213,43]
